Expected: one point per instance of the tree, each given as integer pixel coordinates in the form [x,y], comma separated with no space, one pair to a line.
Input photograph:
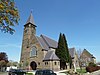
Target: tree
[62,51]
[3,56]
[9,16]
[69,60]
[67,50]
[80,58]
[12,63]
[20,65]
[2,65]
[15,64]
[3,60]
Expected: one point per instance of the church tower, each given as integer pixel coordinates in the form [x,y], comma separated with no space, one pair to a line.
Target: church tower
[37,52]
[28,36]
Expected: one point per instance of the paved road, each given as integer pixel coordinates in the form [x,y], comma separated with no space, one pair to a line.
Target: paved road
[4,74]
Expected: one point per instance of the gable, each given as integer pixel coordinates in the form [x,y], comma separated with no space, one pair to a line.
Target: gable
[86,54]
[47,42]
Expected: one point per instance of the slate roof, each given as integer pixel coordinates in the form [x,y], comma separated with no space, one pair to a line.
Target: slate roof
[42,43]
[47,42]
[50,56]
[50,42]
[72,52]
[30,20]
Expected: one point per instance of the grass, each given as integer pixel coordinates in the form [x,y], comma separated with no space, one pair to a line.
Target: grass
[1,72]
[29,74]
[81,71]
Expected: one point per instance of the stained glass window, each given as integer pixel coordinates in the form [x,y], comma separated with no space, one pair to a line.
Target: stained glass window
[33,52]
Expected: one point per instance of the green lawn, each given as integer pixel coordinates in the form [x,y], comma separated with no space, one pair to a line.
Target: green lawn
[1,72]
[29,74]
[81,71]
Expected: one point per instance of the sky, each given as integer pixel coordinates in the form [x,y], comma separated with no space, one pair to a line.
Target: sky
[79,20]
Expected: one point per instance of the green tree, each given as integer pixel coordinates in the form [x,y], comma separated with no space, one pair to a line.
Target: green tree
[68,60]
[62,51]
[66,49]
[20,65]
[3,60]
[15,64]
[3,56]
[9,16]
[12,63]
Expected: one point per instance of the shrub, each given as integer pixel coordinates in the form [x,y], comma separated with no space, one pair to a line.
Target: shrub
[92,64]
[92,68]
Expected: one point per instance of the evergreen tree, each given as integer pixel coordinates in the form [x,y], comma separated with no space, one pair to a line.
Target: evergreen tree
[69,60]
[62,51]
[66,49]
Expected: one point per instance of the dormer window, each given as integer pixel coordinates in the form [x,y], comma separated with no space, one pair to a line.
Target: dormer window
[33,52]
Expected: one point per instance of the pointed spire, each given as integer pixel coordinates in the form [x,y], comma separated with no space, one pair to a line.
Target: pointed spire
[30,19]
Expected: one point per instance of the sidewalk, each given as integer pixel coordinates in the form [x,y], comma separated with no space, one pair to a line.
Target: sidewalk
[93,73]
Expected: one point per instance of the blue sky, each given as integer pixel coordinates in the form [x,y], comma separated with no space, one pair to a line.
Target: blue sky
[79,20]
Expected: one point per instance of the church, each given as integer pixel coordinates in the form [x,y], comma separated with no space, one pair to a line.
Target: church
[38,52]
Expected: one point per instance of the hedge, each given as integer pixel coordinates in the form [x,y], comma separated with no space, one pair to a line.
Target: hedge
[92,68]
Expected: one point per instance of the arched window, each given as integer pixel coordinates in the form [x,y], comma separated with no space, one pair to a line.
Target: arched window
[33,52]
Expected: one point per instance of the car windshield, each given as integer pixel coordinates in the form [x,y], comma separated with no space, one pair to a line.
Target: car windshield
[40,72]
[44,72]
[16,70]
[12,70]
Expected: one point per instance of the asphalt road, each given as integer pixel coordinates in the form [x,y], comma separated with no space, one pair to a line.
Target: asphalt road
[4,73]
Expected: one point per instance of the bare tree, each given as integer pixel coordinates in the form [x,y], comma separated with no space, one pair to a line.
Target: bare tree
[80,59]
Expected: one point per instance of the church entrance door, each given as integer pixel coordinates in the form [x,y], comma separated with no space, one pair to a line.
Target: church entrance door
[33,65]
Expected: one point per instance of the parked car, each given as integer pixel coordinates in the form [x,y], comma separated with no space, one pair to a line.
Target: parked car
[11,67]
[45,72]
[16,72]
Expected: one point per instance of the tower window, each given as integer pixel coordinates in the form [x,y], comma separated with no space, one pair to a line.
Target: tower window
[33,52]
